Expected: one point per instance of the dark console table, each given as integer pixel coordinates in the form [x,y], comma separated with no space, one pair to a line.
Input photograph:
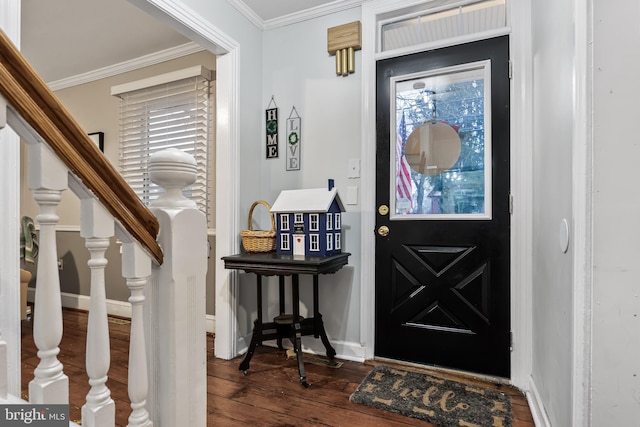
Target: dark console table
[291,326]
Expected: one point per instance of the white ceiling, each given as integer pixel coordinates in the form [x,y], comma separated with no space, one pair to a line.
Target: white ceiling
[269,10]
[62,39]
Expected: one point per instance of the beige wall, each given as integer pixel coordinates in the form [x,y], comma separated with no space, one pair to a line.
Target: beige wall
[97,111]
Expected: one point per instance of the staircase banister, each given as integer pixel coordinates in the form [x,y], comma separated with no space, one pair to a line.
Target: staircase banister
[37,107]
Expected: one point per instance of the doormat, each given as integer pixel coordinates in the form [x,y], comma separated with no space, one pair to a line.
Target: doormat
[445,403]
[316,360]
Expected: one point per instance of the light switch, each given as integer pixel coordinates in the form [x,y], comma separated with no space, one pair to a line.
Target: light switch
[352,195]
[354,168]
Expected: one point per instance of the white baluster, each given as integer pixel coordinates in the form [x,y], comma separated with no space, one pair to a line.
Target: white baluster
[136,268]
[3,369]
[97,226]
[47,179]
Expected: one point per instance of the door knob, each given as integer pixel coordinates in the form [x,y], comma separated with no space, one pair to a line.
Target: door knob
[383,231]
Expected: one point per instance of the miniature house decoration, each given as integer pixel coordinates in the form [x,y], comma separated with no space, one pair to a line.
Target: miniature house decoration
[309,222]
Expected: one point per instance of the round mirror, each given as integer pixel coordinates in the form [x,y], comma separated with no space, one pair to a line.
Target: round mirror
[432,148]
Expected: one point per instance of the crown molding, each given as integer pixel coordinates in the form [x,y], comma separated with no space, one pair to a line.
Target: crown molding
[294,18]
[248,13]
[126,66]
[315,12]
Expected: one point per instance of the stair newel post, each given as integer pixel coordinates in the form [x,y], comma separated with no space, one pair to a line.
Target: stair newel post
[47,179]
[4,361]
[97,227]
[136,268]
[177,312]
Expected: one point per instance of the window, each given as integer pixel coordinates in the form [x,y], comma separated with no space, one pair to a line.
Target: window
[298,218]
[338,221]
[313,243]
[313,222]
[329,242]
[441,22]
[329,221]
[284,242]
[338,241]
[284,222]
[173,110]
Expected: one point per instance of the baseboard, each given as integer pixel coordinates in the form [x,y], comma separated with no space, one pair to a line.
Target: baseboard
[344,350]
[114,307]
[538,411]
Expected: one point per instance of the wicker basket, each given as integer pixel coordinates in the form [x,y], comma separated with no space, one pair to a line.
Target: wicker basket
[259,240]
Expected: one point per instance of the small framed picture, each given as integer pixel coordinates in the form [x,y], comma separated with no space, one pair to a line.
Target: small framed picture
[98,139]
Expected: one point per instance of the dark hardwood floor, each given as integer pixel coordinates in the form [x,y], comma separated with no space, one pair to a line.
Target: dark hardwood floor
[270,395]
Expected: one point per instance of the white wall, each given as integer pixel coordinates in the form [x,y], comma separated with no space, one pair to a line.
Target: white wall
[299,72]
[228,20]
[616,292]
[553,54]
[292,63]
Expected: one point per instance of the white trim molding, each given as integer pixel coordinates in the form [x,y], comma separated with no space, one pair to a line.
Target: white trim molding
[188,23]
[538,412]
[582,204]
[248,13]
[126,66]
[522,193]
[114,307]
[368,175]
[344,350]
[296,17]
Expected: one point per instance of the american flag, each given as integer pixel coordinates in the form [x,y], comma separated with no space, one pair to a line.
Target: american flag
[403,171]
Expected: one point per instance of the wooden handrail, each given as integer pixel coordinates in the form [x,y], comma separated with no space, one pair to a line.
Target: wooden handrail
[30,97]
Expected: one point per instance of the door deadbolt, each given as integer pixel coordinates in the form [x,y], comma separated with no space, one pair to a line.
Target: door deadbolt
[383,231]
[383,209]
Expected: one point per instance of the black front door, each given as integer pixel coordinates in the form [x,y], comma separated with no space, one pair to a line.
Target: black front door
[443,221]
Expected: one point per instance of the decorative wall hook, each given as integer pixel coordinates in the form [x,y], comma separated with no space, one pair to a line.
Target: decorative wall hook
[343,41]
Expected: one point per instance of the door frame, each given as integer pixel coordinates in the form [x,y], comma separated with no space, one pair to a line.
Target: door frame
[521,175]
[488,328]
[186,21]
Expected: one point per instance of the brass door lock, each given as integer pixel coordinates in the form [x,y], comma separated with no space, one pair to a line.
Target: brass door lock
[383,231]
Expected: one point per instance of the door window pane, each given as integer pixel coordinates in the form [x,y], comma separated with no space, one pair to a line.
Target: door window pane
[442,144]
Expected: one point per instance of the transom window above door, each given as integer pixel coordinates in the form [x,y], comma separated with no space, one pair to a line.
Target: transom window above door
[423,24]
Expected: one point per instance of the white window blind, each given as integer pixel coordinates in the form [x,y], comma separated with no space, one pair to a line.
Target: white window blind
[173,112]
